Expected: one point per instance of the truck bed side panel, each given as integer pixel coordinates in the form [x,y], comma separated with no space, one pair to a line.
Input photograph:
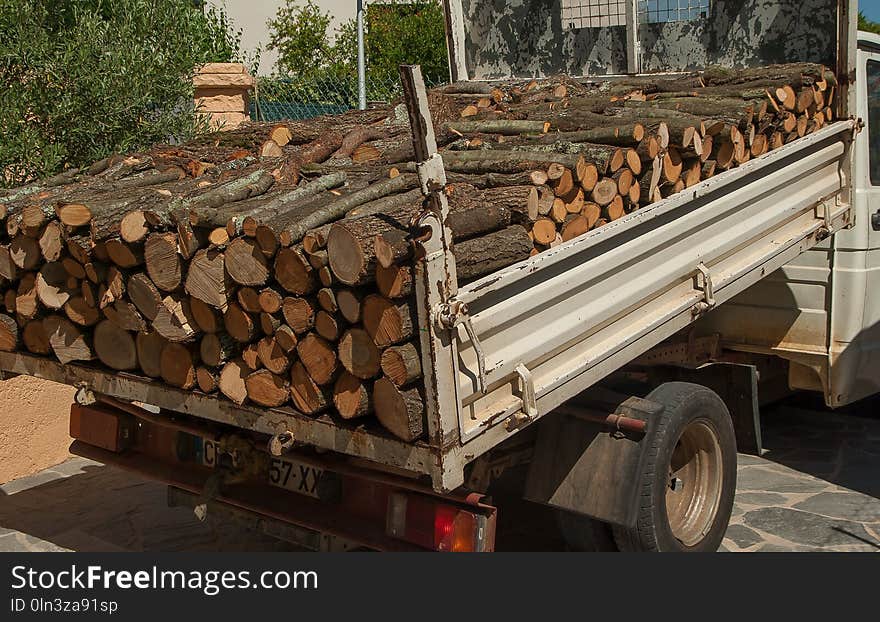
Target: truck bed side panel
[578,312]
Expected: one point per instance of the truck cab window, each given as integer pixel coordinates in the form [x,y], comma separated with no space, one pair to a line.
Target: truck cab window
[874,120]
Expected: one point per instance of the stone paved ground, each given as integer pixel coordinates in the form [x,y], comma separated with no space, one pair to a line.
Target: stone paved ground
[817,488]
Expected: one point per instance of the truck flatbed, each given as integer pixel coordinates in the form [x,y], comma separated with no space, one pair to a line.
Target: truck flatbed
[531,336]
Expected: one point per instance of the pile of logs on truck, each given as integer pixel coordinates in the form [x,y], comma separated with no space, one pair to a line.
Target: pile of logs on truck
[273,264]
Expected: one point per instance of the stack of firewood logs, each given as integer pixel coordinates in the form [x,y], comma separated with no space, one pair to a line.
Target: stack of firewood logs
[274,264]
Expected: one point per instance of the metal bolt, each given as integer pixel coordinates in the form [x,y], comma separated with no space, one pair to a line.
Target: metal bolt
[84,396]
[279,444]
[201,512]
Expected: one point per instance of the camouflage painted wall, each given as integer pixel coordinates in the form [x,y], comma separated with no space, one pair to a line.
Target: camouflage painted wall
[526,38]
[751,33]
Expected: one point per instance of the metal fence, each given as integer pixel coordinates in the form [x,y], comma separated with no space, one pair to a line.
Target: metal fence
[593,13]
[285,98]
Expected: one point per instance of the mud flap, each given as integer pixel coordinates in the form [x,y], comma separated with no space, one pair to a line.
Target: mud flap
[737,385]
[581,466]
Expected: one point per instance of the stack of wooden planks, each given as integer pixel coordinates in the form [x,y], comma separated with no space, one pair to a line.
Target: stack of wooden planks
[274,263]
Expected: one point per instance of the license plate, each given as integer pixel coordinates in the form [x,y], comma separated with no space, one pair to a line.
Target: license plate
[285,473]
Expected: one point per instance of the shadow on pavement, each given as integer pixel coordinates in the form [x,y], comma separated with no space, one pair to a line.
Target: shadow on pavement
[83,505]
[841,447]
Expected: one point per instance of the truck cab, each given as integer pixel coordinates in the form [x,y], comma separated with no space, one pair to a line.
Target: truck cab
[820,314]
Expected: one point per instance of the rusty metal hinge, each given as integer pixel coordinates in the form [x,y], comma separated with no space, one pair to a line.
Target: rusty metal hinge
[455,313]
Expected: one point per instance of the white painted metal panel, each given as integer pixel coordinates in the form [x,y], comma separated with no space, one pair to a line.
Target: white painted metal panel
[566,313]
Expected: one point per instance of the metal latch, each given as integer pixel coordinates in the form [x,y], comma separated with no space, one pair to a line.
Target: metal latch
[529,399]
[825,210]
[450,315]
[708,291]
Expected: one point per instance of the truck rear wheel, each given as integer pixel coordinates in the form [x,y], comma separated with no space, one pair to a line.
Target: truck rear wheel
[689,477]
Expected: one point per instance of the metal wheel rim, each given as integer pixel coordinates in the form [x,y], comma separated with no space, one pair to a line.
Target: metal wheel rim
[696,473]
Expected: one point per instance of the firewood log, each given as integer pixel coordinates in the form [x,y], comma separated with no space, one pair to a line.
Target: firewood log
[245,264]
[270,300]
[51,285]
[207,318]
[163,263]
[318,357]
[232,381]
[144,294]
[266,388]
[218,348]
[349,303]
[149,347]
[33,336]
[125,316]
[351,396]
[307,396]
[174,320]
[328,325]
[207,379]
[401,364]
[358,354]
[51,241]
[80,312]
[400,411]
[9,334]
[272,355]
[68,342]
[299,314]
[294,224]
[208,280]
[293,272]
[385,321]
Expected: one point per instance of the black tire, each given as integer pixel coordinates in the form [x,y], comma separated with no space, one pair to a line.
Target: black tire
[700,516]
[584,534]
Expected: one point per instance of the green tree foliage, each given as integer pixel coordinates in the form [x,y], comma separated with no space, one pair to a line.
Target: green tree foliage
[300,35]
[867,25]
[322,63]
[85,78]
[407,33]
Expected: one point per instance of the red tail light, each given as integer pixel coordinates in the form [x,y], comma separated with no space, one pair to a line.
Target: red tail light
[435,525]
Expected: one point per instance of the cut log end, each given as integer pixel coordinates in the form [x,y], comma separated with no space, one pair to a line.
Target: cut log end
[232,381]
[267,389]
[401,364]
[351,397]
[400,411]
[177,367]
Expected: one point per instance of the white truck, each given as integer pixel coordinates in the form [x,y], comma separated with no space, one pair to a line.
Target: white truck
[762,275]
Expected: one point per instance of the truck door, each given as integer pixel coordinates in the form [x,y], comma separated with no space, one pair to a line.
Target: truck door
[868,158]
[855,300]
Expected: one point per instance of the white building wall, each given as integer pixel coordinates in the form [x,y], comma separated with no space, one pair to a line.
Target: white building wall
[251,16]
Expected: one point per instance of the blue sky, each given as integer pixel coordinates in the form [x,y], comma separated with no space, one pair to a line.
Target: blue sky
[871,9]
